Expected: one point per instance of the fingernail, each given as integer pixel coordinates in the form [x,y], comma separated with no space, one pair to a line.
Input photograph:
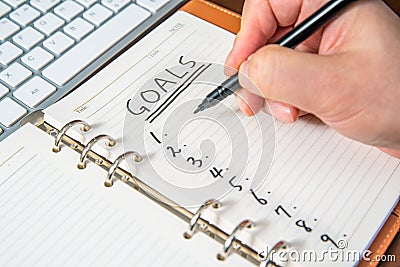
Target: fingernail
[244,107]
[281,111]
[244,68]
[243,75]
[245,81]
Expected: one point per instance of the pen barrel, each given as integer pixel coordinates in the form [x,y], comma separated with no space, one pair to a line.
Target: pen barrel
[228,87]
[313,23]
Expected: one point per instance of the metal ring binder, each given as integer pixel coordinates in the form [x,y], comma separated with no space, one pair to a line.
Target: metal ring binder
[114,166]
[280,246]
[85,127]
[193,222]
[232,237]
[211,230]
[111,142]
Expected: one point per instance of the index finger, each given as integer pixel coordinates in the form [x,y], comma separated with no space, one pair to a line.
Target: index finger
[257,26]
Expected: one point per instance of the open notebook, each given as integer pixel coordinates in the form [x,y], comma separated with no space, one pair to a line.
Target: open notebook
[317,190]
[54,215]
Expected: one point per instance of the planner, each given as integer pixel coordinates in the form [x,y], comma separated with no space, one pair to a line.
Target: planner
[122,172]
[54,215]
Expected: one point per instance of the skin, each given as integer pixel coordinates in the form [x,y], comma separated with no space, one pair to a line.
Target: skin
[347,74]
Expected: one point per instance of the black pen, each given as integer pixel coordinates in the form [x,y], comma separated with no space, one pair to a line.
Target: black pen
[292,39]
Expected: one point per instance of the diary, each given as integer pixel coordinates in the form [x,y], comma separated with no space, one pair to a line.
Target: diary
[268,193]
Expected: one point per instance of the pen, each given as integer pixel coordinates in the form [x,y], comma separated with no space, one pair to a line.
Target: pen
[290,40]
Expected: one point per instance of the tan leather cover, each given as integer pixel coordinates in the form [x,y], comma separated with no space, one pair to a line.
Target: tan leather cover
[384,238]
[230,21]
[214,14]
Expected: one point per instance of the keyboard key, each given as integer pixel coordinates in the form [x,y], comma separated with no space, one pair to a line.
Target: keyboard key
[58,43]
[9,52]
[3,90]
[27,38]
[34,92]
[37,58]
[10,112]
[48,24]
[15,3]
[8,28]
[97,14]
[66,67]
[68,10]
[152,5]
[86,3]
[44,5]
[78,28]
[4,9]
[24,15]
[15,75]
[115,5]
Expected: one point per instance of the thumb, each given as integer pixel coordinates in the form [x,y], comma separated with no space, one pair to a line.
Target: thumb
[300,79]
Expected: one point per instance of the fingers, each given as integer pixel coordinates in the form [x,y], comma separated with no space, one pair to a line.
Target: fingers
[287,76]
[248,102]
[286,12]
[257,26]
[281,111]
[260,21]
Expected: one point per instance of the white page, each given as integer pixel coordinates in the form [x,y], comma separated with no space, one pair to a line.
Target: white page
[337,187]
[53,214]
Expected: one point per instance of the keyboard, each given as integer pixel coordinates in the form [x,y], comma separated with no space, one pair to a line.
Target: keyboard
[49,47]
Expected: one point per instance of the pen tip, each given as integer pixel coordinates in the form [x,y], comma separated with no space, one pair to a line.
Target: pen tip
[196,111]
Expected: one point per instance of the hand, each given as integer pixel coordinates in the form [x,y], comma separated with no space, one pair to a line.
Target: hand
[347,74]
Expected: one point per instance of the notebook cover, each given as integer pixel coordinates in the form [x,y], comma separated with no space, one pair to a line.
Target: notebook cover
[214,14]
[230,21]
[384,238]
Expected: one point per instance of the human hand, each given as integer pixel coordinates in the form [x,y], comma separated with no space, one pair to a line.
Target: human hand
[347,74]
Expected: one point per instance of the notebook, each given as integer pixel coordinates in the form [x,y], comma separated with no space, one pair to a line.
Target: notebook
[54,46]
[271,193]
[54,215]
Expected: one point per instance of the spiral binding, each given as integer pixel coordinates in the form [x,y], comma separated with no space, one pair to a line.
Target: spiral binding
[88,147]
[194,221]
[85,127]
[114,166]
[232,237]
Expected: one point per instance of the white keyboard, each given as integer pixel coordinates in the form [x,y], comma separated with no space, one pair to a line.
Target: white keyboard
[48,47]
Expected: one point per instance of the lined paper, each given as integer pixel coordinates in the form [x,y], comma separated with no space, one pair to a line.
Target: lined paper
[53,214]
[320,184]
